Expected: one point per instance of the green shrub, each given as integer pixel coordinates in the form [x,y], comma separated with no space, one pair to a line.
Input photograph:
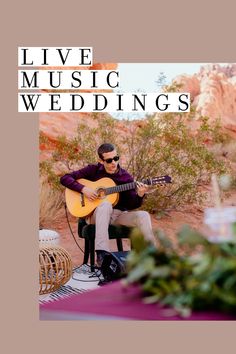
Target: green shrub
[158,145]
[165,145]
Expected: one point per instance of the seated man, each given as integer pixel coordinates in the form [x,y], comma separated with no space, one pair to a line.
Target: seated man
[105,214]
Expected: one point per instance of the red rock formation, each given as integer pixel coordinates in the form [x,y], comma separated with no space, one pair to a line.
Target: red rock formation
[213,92]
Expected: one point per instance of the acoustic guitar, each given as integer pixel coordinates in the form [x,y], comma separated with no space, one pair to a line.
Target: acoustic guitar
[80,206]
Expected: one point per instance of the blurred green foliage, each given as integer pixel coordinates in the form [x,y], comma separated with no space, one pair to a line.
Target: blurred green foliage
[198,280]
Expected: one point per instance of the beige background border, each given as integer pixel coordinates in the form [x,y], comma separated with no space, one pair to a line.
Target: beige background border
[122,32]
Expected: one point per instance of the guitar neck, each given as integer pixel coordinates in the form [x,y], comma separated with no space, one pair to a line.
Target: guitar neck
[124,187]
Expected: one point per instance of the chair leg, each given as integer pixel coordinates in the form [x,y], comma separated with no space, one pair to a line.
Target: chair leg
[86,251]
[119,244]
[92,253]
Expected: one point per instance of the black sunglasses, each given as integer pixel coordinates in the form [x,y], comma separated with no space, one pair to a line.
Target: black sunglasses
[116,158]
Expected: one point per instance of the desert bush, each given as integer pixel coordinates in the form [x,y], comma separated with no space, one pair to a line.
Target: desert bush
[165,145]
[230,150]
[50,205]
[212,131]
[161,145]
[226,152]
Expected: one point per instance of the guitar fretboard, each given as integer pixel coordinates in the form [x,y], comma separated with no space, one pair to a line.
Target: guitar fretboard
[124,187]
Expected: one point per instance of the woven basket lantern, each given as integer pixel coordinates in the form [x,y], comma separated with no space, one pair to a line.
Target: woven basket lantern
[55,268]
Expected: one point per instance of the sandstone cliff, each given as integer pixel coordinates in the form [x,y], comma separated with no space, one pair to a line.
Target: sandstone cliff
[213,93]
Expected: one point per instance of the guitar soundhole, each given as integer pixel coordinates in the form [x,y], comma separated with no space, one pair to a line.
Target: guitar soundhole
[101,193]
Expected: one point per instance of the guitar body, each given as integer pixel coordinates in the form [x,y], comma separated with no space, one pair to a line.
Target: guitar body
[80,206]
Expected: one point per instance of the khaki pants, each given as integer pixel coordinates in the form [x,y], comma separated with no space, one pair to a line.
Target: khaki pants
[104,215]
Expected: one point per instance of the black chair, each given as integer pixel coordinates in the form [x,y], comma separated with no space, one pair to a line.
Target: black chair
[87,231]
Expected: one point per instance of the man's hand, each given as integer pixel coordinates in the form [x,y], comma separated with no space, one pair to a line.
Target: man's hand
[89,193]
[142,189]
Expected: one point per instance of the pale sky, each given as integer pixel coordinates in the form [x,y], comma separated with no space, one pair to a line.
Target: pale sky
[143,76]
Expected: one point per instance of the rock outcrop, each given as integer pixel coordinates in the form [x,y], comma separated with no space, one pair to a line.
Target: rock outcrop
[213,93]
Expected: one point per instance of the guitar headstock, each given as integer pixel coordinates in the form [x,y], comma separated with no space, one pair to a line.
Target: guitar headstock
[158,180]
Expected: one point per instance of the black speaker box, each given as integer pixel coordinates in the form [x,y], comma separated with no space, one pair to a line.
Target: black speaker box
[114,265]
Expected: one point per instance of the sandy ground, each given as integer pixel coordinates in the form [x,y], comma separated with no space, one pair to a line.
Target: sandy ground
[170,223]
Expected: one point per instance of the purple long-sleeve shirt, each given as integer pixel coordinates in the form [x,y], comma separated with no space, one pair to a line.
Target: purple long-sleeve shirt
[128,200]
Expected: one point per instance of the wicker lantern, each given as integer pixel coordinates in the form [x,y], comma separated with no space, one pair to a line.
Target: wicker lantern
[55,268]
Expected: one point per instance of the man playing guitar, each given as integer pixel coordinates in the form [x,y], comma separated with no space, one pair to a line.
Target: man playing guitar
[104,214]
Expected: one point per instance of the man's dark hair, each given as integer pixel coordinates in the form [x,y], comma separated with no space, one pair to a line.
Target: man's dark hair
[107,147]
